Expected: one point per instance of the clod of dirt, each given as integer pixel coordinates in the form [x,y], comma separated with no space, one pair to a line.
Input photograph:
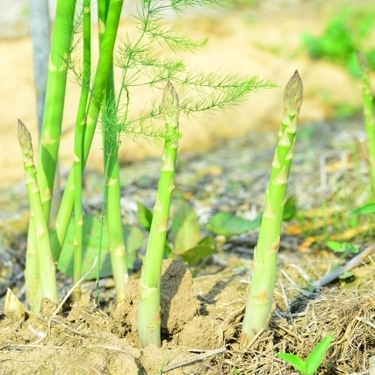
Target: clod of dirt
[202,332]
[179,303]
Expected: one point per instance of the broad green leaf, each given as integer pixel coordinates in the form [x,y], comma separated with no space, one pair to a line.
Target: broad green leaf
[315,358]
[346,275]
[298,363]
[134,239]
[167,251]
[364,210]
[335,246]
[144,216]
[204,248]
[185,230]
[229,225]
[290,209]
[342,247]
[94,238]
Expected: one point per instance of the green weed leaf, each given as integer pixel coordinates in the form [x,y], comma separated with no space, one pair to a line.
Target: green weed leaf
[346,275]
[144,216]
[185,231]
[316,357]
[204,248]
[92,241]
[295,361]
[229,225]
[364,210]
[290,209]
[342,247]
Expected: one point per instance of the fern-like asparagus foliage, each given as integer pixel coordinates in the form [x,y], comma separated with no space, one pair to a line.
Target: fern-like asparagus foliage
[152,58]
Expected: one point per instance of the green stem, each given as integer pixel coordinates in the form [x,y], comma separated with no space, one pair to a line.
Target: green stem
[78,150]
[51,128]
[45,267]
[368,114]
[55,97]
[32,275]
[96,99]
[259,303]
[112,194]
[149,293]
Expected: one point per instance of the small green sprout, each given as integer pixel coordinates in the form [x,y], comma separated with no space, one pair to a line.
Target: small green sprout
[343,248]
[314,360]
[366,209]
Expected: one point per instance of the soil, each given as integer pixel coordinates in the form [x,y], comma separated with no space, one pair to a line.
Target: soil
[202,316]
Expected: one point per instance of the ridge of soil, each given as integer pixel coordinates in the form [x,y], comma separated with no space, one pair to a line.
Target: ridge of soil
[202,317]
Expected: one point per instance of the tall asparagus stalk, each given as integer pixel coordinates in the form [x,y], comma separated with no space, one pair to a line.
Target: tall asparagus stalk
[368,115]
[112,190]
[103,71]
[41,275]
[78,150]
[259,303]
[55,97]
[50,135]
[149,293]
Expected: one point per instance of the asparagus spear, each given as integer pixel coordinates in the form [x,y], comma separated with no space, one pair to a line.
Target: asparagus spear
[259,303]
[41,269]
[149,294]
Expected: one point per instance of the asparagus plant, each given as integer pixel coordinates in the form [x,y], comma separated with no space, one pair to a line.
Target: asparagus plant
[49,139]
[259,303]
[55,95]
[368,114]
[78,149]
[149,288]
[142,63]
[41,271]
[103,70]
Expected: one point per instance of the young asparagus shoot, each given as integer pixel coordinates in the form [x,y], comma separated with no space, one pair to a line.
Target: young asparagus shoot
[78,150]
[259,303]
[103,70]
[150,60]
[41,269]
[368,115]
[55,96]
[149,294]
[314,360]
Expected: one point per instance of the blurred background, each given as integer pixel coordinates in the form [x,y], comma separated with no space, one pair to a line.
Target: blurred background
[268,38]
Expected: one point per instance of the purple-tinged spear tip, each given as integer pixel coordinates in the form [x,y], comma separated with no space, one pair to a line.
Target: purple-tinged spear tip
[170,101]
[363,63]
[24,137]
[293,94]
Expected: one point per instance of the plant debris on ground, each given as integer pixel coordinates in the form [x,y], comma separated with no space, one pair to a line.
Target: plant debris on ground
[201,325]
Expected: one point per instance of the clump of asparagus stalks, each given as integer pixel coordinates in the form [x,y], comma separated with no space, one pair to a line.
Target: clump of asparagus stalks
[259,303]
[149,288]
[39,255]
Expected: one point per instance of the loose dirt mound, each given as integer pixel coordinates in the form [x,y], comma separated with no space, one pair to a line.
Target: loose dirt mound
[197,338]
